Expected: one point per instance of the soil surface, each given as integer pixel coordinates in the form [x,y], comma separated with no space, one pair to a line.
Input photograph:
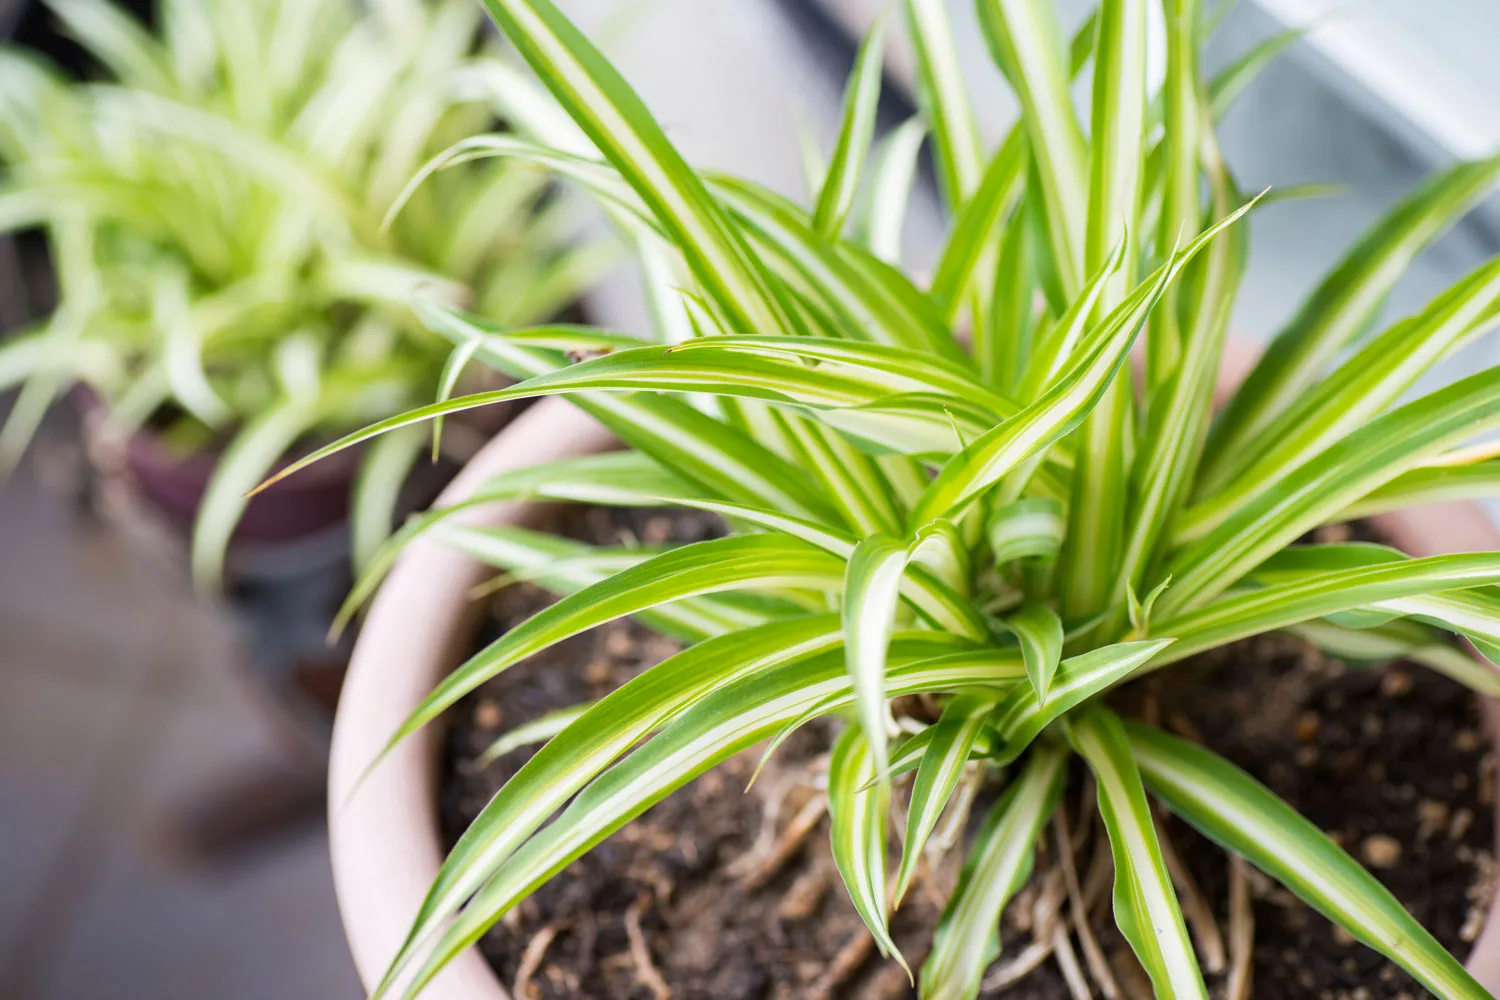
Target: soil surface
[1392,763]
[712,893]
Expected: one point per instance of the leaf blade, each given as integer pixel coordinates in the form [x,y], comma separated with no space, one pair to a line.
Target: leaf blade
[1242,815]
[861,102]
[967,938]
[1145,903]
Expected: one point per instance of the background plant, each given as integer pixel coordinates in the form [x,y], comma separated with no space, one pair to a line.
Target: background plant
[1011,521]
[214,212]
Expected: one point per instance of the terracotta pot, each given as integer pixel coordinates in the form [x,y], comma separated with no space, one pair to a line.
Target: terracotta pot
[385,839]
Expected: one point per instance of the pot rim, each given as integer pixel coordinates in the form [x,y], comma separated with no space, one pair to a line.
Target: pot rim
[418,629]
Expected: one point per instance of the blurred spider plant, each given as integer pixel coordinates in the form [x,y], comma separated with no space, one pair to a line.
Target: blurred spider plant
[215,213]
[1005,519]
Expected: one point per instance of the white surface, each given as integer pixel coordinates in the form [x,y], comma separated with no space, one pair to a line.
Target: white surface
[1427,67]
[733,83]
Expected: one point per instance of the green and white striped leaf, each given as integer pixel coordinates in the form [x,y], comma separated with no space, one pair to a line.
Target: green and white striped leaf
[872,585]
[944,753]
[1244,816]
[613,479]
[538,730]
[1401,640]
[615,723]
[861,102]
[975,219]
[1115,142]
[1004,346]
[928,593]
[1040,632]
[1472,612]
[851,479]
[867,298]
[1145,902]
[705,451]
[767,375]
[942,550]
[733,718]
[610,113]
[999,864]
[944,99]
[598,178]
[857,811]
[1021,717]
[1346,471]
[1027,529]
[1067,400]
[995,193]
[882,368]
[1427,485]
[1028,46]
[566,567]
[890,190]
[1179,411]
[1179,155]
[453,369]
[1357,392]
[1319,595]
[1335,313]
[752,561]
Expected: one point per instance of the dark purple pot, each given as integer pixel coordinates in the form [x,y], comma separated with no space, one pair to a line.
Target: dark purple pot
[308,504]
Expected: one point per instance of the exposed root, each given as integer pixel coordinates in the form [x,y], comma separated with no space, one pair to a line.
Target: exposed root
[958,812]
[1088,809]
[1134,982]
[1078,986]
[758,866]
[1024,964]
[640,954]
[773,797]
[1195,909]
[1151,708]
[1093,955]
[1182,726]
[1046,912]
[936,878]
[1101,873]
[1241,930]
[662,886]
[801,900]
[1043,916]
[531,959]
[845,964]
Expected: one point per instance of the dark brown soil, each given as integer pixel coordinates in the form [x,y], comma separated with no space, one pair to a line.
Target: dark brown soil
[686,893]
[1392,764]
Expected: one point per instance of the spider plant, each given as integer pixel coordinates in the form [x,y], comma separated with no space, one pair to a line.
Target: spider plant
[962,487]
[214,210]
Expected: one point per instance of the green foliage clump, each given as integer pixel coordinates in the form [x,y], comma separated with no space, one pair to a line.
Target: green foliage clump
[961,487]
[214,207]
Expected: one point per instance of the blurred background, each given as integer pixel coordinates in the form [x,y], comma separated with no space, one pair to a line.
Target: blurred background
[161,753]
